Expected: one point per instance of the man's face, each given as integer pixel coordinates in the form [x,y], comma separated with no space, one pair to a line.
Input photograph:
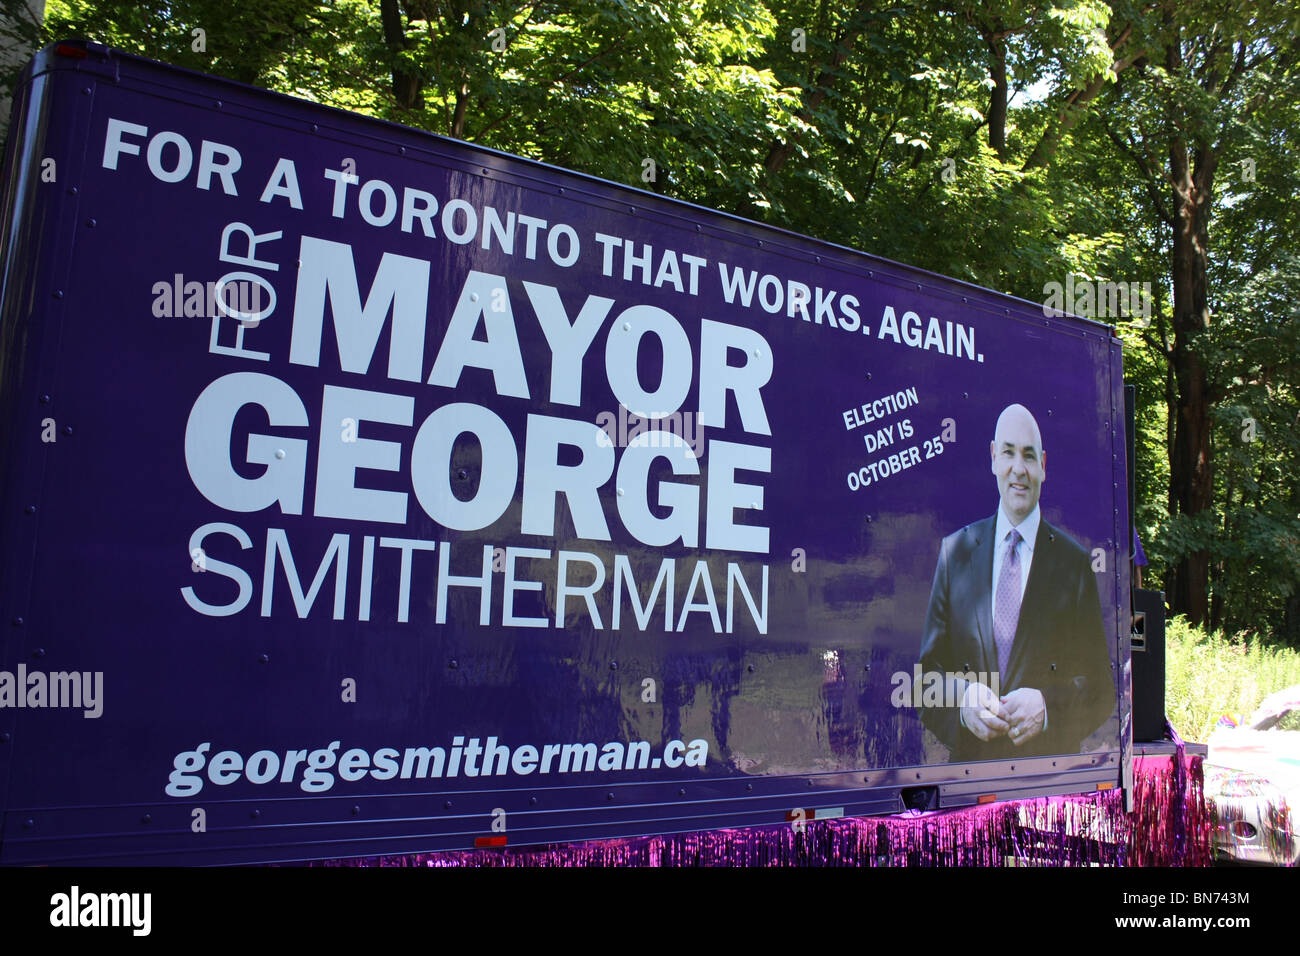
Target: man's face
[1018,462]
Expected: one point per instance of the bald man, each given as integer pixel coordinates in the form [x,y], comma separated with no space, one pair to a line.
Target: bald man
[1015,597]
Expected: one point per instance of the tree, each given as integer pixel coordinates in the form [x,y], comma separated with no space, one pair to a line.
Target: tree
[1005,142]
[1186,109]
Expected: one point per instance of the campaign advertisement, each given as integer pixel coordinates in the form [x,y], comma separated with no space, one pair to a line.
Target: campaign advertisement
[367,491]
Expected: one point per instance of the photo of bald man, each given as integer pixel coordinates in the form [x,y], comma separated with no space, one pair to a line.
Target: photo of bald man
[1016,597]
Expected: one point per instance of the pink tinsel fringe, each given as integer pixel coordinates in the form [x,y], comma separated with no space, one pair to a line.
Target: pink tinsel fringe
[1169,826]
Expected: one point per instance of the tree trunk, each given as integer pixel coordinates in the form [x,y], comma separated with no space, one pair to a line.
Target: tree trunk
[1191,474]
[458,116]
[996,40]
[1223,610]
[406,86]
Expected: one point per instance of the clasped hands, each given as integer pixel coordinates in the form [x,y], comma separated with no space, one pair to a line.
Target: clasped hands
[1020,715]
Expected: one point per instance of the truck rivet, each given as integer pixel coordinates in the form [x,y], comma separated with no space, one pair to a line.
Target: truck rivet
[45,399]
[462,474]
[866,667]
[484,170]
[218,104]
[356,810]
[758,353]
[627,326]
[620,492]
[30,509]
[18,622]
[613,665]
[753,506]
[750,668]
[4,738]
[868,519]
[749,786]
[315,128]
[67,429]
[473,296]
[72,191]
[28,824]
[610,795]
[90,223]
[85,91]
[255,814]
[810,783]
[868,376]
[146,818]
[279,453]
[965,394]
[402,151]
[532,801]
[1049,413]
[681,792]
[447,805]
[562,193]
[39,652]
[453,663]
[58,294]
[264,658]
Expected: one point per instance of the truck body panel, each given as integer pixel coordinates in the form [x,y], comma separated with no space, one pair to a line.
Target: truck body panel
[368,492]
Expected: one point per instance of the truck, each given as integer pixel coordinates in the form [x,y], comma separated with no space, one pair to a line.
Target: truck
[370,492]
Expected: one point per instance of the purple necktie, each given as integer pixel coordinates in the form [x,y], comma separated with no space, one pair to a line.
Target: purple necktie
[1006,611]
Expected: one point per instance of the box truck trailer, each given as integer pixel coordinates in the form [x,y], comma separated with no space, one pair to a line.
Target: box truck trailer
[367,492]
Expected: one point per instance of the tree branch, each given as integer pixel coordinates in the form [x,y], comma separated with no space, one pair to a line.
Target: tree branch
[1071,110]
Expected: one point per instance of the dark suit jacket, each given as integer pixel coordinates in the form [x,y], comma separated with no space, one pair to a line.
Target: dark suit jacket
[1060,647]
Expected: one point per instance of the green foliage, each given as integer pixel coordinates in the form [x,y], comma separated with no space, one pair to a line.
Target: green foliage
[1255,535]
[1209,675]
[20,36]
[242,41]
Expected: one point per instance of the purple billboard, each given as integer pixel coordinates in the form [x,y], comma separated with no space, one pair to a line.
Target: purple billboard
[366,492]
